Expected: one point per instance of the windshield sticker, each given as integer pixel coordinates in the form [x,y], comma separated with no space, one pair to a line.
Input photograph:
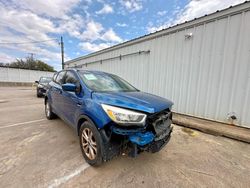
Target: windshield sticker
[90,76]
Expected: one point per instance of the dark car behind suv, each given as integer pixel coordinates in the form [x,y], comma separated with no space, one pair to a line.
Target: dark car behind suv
[42,85]
[109,115]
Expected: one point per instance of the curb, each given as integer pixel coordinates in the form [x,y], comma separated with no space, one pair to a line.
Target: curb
[212,127]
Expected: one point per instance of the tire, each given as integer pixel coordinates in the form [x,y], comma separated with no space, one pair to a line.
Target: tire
[38,95]
[48,111]
[91,146]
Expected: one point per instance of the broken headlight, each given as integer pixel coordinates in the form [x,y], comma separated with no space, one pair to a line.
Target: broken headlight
[124,116]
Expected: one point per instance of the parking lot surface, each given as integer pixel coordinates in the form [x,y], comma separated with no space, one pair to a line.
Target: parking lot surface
[36,152]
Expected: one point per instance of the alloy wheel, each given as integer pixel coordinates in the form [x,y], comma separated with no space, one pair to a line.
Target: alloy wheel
[89,145]
[47,109]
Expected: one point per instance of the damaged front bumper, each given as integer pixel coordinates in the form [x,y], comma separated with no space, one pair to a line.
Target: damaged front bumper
[152,138]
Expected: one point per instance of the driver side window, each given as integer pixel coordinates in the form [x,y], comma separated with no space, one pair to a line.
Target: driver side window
[71,78]
[60,79]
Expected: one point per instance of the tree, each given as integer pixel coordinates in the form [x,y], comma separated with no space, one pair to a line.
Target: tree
[30,63]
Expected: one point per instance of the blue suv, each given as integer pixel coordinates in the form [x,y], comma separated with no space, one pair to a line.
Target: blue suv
[109,115]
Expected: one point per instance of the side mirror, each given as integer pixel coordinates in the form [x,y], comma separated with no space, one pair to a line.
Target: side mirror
[69,87]
[37,82]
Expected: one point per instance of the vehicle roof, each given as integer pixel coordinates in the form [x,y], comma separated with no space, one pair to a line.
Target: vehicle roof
[87,71]
[45,77]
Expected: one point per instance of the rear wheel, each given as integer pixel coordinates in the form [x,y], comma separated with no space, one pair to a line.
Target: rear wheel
[91,144]
[48,111]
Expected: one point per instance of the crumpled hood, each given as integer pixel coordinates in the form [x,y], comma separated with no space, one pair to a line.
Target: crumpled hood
[133,100]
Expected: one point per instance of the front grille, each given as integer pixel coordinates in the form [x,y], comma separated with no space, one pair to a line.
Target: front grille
[160,123]
[165,114]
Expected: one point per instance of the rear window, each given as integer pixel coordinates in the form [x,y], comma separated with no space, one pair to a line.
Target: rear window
[45,80]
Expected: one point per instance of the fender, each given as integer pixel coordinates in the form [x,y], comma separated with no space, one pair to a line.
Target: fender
[82,118]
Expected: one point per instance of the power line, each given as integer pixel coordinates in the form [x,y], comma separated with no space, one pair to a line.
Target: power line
[41,41]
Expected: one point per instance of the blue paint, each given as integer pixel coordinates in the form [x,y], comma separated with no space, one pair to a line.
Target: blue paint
[142,139]
[69,87]
[140,101]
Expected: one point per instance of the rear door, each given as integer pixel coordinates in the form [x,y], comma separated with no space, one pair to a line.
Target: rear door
[72,100]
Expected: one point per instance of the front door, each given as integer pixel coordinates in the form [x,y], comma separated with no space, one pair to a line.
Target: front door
[72,100]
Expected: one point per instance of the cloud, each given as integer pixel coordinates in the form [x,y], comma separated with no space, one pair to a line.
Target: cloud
[6,58]
[92,32]
[157,28]
[73,25]
[52,8]
[92,47]
[25,24]
[27,20]
[194,9]
[105,10]
[110,35]
[161,13]
[132,5]
[95,31]
[122,24]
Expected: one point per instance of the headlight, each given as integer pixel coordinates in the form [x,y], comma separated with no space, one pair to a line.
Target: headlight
[124,116]
[40,86]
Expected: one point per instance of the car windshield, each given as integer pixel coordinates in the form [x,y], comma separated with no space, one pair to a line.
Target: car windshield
[44,80]
[102,82]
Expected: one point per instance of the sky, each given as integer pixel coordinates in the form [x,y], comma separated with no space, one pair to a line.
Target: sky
[88,25]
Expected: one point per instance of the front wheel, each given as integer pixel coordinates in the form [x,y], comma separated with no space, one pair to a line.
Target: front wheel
[48,111]
[38,94]
[91,144]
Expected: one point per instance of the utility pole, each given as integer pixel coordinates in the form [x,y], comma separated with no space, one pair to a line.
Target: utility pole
[31,55]
[62,52]
[31,58]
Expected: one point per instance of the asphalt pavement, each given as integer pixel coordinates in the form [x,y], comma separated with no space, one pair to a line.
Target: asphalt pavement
[36,152]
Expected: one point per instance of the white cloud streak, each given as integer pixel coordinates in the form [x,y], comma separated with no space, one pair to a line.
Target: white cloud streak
[199,8]
[92,47]
[51,8]
[122,24]
[194,9]
[95,31]
[6,58]
[107,9]
[162,13]
[132,5]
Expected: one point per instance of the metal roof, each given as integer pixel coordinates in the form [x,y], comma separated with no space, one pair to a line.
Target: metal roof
[206,18]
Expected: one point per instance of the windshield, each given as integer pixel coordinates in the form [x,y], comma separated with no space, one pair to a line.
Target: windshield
[102,82]
[44,80]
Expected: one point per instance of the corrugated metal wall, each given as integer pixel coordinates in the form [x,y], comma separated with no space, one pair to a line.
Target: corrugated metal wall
[21,75]
[207,75]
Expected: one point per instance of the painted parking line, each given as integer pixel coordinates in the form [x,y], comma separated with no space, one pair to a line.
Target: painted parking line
[64,179]
[22,123]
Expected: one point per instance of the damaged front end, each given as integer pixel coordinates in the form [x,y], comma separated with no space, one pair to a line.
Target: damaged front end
[151,137]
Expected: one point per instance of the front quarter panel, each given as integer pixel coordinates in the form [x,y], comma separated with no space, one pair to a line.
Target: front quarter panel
[94,111]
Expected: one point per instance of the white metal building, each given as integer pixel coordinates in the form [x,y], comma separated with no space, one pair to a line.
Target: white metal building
[202,65]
